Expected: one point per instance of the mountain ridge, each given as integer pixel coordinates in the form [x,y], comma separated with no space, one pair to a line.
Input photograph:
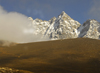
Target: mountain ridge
[58,28]
[64,27]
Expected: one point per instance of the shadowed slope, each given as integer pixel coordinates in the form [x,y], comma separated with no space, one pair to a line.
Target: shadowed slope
[62,56]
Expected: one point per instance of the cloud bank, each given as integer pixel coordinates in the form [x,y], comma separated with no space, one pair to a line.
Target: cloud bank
[15,27]
[94,11]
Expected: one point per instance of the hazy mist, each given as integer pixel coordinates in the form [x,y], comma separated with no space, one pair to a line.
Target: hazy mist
[15,27]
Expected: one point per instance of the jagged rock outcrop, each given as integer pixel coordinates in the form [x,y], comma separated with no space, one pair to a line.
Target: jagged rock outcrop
[10,70]
[64,27]
[39,26]
[51,27]
[90,29]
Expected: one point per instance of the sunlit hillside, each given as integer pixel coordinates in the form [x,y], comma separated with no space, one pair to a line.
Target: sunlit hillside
[80,55]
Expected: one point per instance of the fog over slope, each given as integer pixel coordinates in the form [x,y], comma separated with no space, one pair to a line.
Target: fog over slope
[15,27]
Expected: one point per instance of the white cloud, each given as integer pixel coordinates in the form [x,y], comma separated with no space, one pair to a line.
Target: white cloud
[15,27]
[94,11]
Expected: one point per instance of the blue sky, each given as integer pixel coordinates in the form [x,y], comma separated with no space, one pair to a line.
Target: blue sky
[79,10]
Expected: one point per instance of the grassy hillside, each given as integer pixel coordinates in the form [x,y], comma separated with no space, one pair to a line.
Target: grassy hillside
[62,56]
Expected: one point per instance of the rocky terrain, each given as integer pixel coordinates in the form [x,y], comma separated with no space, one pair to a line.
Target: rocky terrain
[10,70]
[90,29]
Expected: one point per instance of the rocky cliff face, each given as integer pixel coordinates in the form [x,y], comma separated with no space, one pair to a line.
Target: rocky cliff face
[64,27]
[39,26]
[90,29]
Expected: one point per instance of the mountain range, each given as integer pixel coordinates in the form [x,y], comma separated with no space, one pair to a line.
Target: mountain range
[64,27]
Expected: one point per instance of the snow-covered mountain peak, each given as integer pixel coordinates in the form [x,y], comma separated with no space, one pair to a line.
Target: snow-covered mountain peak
[63,27]
[63,15]
[90,29]
[90,22]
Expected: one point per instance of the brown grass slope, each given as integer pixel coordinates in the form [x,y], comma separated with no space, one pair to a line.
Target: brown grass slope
[62,56]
